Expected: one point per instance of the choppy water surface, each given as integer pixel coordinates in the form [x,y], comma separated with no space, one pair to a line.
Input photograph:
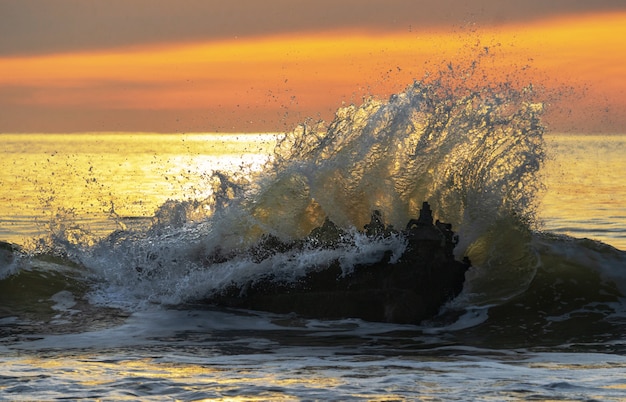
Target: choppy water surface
[585,189]
[198,354]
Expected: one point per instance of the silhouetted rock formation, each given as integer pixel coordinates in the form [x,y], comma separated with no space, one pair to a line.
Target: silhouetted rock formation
[408,291]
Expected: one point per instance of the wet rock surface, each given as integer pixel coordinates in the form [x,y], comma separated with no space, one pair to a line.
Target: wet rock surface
[407,290]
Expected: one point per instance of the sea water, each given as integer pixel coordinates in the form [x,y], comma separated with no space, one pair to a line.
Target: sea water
[103,300]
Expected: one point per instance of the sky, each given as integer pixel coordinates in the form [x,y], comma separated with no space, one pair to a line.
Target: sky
[264,66]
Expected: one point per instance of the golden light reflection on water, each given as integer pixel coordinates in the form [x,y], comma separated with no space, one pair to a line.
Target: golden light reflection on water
[586,187]
[246,378]
[95,176]
[130,376]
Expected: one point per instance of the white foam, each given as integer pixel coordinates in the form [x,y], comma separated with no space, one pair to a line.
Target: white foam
[64,301]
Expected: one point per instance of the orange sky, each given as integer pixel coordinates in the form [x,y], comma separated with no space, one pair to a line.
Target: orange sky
[271,82]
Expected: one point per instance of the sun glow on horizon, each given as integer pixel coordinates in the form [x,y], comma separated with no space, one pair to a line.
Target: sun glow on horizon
[259,80]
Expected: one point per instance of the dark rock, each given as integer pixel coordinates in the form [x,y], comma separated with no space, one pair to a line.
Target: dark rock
[408,291]
[328,235]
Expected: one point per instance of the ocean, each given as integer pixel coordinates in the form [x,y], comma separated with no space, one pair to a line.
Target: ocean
[107,237]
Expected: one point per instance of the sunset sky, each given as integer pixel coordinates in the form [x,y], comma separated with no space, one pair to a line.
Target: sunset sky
[255,66]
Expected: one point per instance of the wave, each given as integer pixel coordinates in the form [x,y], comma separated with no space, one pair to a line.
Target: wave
[474,152]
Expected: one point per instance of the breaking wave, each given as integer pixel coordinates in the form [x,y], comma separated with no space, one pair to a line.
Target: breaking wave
[474,152]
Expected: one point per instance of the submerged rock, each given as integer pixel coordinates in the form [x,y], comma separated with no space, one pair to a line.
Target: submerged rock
[408,290]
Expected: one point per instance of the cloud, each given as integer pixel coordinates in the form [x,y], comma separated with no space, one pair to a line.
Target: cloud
[265,83]
[40,27]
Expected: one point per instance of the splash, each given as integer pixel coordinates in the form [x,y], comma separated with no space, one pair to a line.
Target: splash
[473,154]
[472,150]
